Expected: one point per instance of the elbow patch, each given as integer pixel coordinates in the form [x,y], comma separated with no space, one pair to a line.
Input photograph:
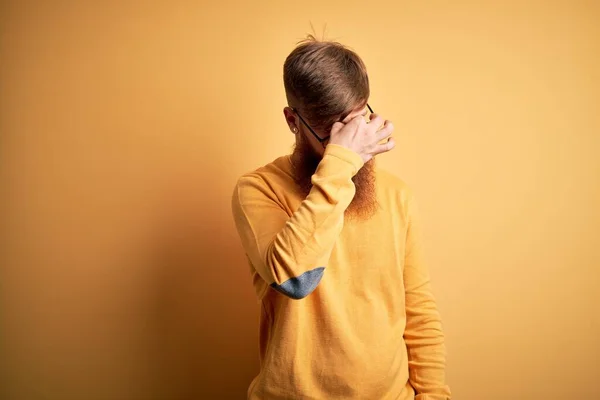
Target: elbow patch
[301,286]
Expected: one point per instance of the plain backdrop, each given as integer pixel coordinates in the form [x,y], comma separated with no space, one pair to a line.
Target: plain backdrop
[123,129]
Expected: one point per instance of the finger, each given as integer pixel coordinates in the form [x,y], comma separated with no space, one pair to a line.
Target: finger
[385,147]
[336,127]
[354,124]
[386,131]
[375,122]
[357,120]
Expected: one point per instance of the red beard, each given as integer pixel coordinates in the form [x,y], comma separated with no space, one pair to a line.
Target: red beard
[304,164]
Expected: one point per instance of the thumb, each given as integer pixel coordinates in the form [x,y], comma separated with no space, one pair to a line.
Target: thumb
[337,126]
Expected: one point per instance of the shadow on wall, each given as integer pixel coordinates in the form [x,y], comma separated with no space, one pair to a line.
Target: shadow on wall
[202,334]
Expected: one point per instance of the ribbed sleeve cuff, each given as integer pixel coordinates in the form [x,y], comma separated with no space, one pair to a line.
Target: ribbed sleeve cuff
[345,154]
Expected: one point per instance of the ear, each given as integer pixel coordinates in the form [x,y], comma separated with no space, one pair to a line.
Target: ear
[291,119]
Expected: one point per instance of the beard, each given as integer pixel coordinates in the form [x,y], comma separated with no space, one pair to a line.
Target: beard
[304,164]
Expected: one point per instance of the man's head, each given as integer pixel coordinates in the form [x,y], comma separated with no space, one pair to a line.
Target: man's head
[325,82]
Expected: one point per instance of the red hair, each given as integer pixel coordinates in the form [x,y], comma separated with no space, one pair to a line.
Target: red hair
[325,80]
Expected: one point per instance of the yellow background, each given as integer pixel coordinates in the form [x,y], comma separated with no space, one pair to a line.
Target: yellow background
[124,127]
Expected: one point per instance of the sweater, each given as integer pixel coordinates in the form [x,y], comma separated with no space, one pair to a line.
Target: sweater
[346,308]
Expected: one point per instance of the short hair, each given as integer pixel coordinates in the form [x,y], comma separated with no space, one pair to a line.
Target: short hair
[325,80]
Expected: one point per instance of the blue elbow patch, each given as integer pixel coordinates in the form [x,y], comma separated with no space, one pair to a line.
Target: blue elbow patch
[301,286]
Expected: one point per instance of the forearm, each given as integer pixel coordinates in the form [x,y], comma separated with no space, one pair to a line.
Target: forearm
[425,344]
[290,253]
[309,235]
[423,333]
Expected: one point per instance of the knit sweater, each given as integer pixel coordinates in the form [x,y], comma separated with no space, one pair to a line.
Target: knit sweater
[346,306]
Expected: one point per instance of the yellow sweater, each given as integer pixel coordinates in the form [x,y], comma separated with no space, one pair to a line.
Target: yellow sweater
[347,311]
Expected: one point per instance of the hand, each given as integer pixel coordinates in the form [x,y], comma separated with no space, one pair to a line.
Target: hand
[362,137]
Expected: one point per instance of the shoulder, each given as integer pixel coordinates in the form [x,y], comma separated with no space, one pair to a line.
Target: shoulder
[264,180]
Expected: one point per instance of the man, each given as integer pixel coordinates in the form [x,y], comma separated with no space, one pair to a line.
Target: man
[334,251]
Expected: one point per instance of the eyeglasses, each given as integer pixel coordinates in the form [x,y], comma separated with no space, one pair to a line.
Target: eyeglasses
[320,139]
